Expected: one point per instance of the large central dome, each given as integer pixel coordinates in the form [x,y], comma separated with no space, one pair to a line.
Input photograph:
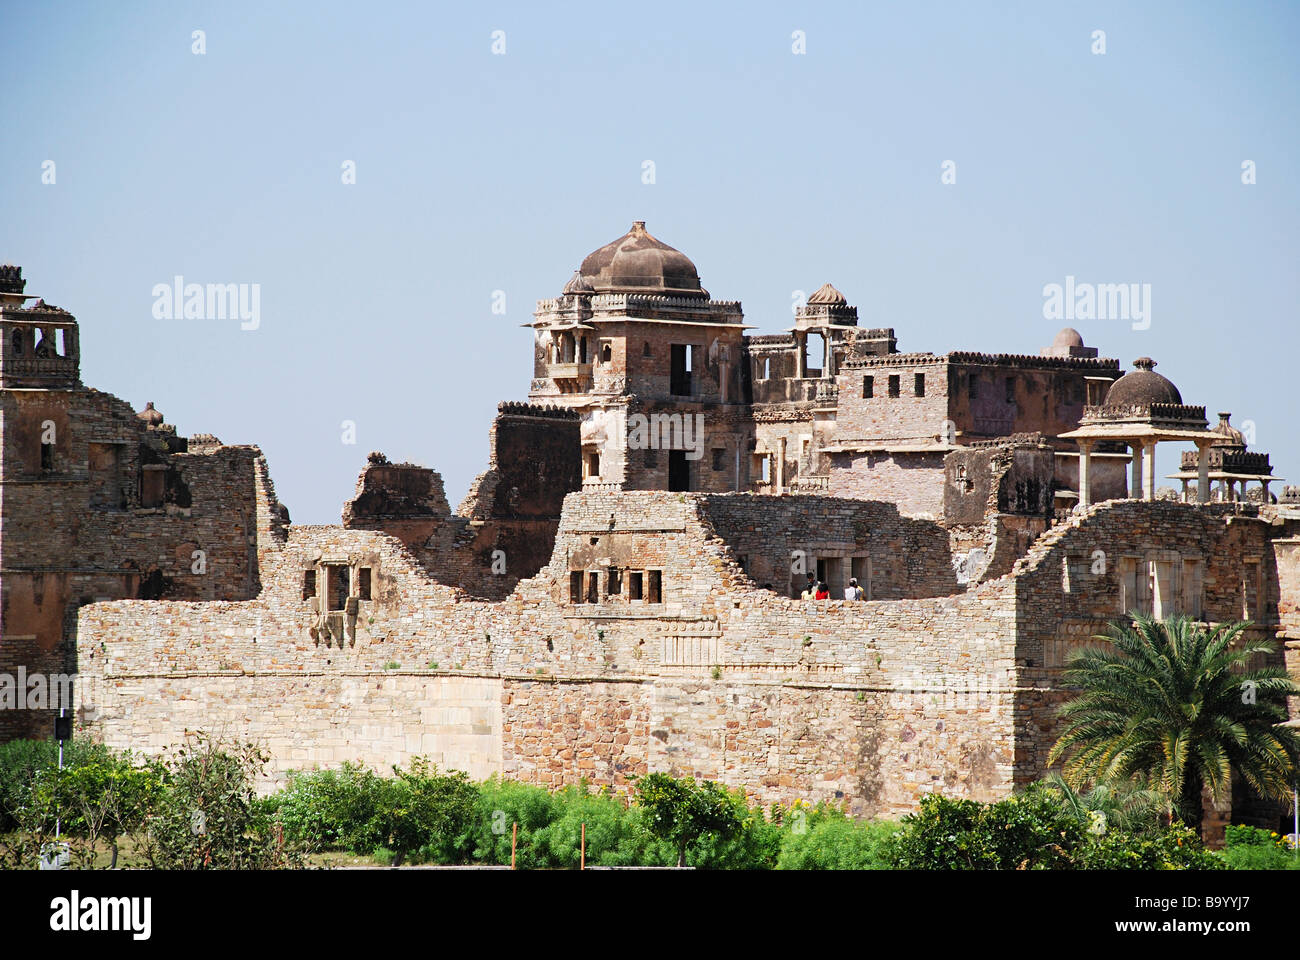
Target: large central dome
[638,263]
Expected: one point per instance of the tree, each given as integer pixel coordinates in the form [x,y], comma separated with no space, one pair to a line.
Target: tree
[101,799]
[682,812]
[208,816]
[1125,805]
[1174,701]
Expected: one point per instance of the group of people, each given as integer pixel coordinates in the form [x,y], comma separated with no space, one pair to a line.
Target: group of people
[819,591]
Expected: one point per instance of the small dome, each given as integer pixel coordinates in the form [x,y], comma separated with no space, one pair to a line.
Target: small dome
[638,263]
[577,285]
[149,415]
[828,295]
[1230,435]
[1142,386]
[1068,337]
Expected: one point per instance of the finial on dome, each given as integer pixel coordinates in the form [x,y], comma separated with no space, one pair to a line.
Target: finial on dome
[151,416]
[1144,363]
[829,295]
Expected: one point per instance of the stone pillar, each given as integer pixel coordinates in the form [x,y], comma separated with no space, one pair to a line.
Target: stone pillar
[1184,489]
[800,346]
[827,354]
[1203,473]
[1135,471]
[778,478]
[1085,471]
[1149,471]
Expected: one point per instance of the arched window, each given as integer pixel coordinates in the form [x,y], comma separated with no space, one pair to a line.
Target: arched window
[606,354]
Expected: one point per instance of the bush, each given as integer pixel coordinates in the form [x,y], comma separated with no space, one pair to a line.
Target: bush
[686,814]
[22,760]
[838,844]
[500,805]
[422,810]
[1177,847]
[331,809]
[99,799]
[1250,848]
[208,817]
[1028,831]
[616,835]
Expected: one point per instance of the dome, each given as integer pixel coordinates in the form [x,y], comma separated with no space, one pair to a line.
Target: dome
[1068,337]
[828,295]
[638,263]
[577,286]
[1142,386]
[149,415]
[1229,436]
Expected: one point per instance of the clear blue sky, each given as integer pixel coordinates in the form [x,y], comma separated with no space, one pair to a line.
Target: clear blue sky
[774,172]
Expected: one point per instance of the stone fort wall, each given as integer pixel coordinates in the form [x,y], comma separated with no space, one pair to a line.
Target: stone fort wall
[872,703]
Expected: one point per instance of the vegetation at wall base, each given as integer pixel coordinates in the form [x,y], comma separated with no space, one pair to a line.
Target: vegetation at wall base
[419,814]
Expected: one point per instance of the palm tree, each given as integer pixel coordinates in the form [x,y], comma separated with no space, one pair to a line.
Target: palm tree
[1126,805]
[1173,701]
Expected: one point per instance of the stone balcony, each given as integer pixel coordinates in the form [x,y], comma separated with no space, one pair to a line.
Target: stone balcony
[38,371]
[568,371]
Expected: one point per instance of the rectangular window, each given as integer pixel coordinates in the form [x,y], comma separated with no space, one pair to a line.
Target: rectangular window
[973,386]
[680,375]
[337,583]
[918,387]
[719,458]
[47,457]
[654,589]
[614,581]
[1011,389]
[152,483]
[575,586]
[868,387]
[363,583]
[893,384]
[593,587]
[308,584]
[634,585]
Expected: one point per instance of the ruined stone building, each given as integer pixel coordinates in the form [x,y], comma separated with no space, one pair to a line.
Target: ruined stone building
[617,593]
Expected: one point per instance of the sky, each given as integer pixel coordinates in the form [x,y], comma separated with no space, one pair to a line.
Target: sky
[483,176]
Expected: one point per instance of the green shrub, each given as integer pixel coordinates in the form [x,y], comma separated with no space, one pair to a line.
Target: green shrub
[687,814]
[207,816]
[1175,848]
[838,844]
[1250,848]
[21,760]
[616,835]
[1028,831]
[428,812]
[500,805]
[332,809]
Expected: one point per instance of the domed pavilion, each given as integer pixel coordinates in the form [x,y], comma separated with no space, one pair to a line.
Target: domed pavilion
[1141,409]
